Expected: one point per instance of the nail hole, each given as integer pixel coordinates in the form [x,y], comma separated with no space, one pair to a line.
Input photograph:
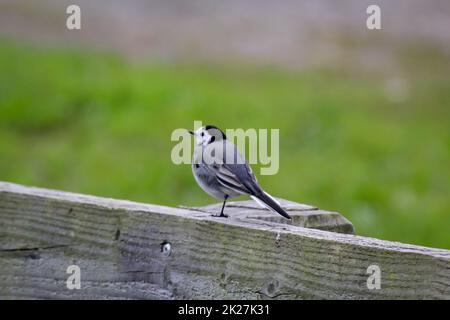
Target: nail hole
[166,248]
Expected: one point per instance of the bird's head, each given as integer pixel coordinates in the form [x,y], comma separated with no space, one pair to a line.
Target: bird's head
[208,134]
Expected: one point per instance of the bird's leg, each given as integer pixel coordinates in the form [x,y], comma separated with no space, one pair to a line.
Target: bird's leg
[222,215]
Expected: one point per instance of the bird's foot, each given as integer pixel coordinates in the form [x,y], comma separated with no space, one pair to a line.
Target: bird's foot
[222,215]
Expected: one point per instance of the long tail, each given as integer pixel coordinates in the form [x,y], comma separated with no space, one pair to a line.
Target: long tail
[267,201]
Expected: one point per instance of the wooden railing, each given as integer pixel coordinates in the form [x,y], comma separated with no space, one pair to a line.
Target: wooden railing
[52,241]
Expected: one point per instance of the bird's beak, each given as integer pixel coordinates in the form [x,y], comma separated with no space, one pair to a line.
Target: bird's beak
[191,132]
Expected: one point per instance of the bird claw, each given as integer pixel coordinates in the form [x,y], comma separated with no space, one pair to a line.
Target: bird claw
[220,216]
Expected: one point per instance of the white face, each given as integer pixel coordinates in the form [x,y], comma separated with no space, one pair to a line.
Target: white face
[202,137]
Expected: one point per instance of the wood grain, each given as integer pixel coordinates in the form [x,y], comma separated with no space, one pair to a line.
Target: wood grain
[118,246]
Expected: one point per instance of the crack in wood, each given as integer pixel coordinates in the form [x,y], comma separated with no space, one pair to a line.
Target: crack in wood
[25,249]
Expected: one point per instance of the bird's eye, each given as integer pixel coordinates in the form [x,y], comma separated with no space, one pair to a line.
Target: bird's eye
[202,134]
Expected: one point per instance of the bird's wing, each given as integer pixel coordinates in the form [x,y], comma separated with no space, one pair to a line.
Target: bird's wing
[237,175]
[227,178]
[223,160]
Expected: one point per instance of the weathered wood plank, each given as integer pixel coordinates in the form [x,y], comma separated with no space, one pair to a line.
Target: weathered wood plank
[118,246]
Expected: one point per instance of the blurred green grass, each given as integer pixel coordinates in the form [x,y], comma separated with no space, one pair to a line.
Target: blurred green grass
[94,123]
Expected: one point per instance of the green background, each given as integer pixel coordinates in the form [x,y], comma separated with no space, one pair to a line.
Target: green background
[96,123]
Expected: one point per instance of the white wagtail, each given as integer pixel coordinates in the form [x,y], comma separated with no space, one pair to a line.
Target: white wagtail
[223,172]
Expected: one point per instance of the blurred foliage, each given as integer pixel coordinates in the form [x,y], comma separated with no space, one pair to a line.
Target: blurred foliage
[374,148]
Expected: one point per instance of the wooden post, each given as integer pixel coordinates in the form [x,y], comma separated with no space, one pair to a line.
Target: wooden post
[132,250]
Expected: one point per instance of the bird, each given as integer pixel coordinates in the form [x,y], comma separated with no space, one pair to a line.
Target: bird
[222,172]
